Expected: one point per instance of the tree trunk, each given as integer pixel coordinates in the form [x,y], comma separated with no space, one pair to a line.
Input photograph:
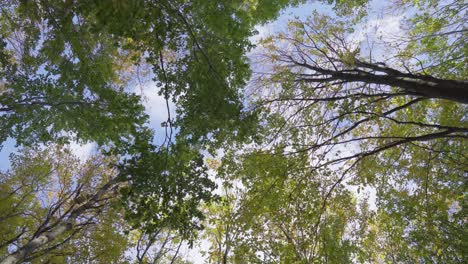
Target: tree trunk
[426,86]
[413,84]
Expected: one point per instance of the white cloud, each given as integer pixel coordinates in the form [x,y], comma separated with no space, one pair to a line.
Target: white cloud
[263,32]
[378,29]
[82,151]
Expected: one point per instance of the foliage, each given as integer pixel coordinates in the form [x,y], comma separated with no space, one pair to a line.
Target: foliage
[41,189]
[165,191]
[45,187]
[332,117]
[66,67]
[68,71]
[340,119]
[277,215]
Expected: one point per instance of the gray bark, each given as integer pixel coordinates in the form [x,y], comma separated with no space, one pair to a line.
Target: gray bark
[413,84]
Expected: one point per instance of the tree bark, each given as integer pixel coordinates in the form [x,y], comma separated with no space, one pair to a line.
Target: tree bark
[427,86]
[413,84]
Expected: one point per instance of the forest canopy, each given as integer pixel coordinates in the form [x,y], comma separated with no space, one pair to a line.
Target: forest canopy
[291,131]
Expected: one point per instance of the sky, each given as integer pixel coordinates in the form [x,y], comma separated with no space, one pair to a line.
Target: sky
[380,25]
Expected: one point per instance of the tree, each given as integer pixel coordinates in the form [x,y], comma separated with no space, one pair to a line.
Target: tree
[65,72]
[66,66]
[348,108]
[49,199]
[336,116]
[223,229]
[273,214]
[58,209]
[392,121]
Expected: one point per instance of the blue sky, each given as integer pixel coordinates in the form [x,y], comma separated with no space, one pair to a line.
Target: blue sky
[7,149]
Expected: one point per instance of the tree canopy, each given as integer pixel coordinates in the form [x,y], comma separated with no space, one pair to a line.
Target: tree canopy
[361,155]
[345,145]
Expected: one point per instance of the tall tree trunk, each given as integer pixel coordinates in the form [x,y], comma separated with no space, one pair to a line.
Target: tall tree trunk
[426,86]
[414,84]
